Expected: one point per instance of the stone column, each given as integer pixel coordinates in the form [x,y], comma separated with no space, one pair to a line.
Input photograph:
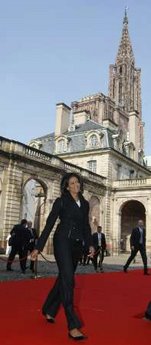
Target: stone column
[107,214]
[53,193]
[12,194]
[116,227]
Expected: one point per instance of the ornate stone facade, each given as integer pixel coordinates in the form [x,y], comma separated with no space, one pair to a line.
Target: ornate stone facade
[21,164]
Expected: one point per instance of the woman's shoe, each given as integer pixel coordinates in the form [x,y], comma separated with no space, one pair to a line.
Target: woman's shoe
[78,337]
[50,319]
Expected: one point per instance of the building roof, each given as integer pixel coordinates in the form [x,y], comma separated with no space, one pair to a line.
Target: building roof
[87,126]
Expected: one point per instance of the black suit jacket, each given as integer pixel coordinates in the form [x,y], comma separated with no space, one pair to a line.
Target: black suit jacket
[33,237]
[96,242]
[74,221]
[20,236]
[135,237]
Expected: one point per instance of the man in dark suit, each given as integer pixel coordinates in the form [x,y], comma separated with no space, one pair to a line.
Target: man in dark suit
[99,243]
[20,237]
[138,243]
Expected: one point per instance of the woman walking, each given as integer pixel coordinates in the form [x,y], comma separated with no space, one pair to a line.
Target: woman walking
[72,231]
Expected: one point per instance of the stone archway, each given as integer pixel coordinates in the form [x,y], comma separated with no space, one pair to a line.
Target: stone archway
[94,203]
[131,212]
[33,202]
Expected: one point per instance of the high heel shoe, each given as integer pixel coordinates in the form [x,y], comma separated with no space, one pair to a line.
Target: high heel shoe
[78,337]
[50,319]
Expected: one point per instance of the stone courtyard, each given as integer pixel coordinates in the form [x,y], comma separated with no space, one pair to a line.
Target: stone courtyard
[49,267]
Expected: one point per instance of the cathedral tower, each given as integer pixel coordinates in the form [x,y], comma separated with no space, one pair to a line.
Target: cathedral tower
[125,86]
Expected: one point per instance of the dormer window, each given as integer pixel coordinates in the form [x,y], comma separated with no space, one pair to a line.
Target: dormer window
[36,144]
[129,149]
[93,140]
[61,146]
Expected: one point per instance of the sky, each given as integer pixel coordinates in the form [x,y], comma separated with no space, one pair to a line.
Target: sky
[60,51]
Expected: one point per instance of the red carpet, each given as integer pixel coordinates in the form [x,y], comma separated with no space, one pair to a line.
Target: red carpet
[111,305]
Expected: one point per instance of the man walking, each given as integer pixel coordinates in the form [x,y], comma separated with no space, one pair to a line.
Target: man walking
[138,243]
[99,243]
[20,237]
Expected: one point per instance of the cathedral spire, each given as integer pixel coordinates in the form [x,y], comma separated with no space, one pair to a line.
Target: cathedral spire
[125,20]
[125,86]
[125,50]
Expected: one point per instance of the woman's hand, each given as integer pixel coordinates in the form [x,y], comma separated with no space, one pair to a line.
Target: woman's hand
[91,252]
[34,254]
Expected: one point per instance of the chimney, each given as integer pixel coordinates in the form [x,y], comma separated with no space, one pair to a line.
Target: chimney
[62,118]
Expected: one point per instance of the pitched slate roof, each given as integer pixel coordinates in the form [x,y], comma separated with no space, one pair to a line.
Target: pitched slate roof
[77,137]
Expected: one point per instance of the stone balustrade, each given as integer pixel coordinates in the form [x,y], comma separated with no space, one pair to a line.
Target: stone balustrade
[17,148]
[132,183]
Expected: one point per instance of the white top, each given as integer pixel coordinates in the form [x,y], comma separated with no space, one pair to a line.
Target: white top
[141,235]
[99,239]
[78,203]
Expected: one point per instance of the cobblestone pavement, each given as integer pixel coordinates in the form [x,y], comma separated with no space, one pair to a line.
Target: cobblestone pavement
[49,268]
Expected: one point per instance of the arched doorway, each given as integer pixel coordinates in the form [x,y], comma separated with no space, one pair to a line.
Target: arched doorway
[34,195]
[94,203]
[131,212]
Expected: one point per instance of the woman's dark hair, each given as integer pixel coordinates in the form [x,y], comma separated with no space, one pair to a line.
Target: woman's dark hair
[65,182]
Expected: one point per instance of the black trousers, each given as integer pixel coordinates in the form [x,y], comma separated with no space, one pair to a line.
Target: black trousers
[67,254]
[100,253]
[142,251]
[22,257]
[83,258]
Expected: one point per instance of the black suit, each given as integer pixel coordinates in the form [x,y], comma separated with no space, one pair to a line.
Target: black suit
[135,242]
[20,239]
[99,249]
[72,230]
[33,238]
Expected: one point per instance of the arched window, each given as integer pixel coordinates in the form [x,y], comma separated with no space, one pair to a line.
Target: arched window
[113,87]
[120,92]
[93,140]
[61,147]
